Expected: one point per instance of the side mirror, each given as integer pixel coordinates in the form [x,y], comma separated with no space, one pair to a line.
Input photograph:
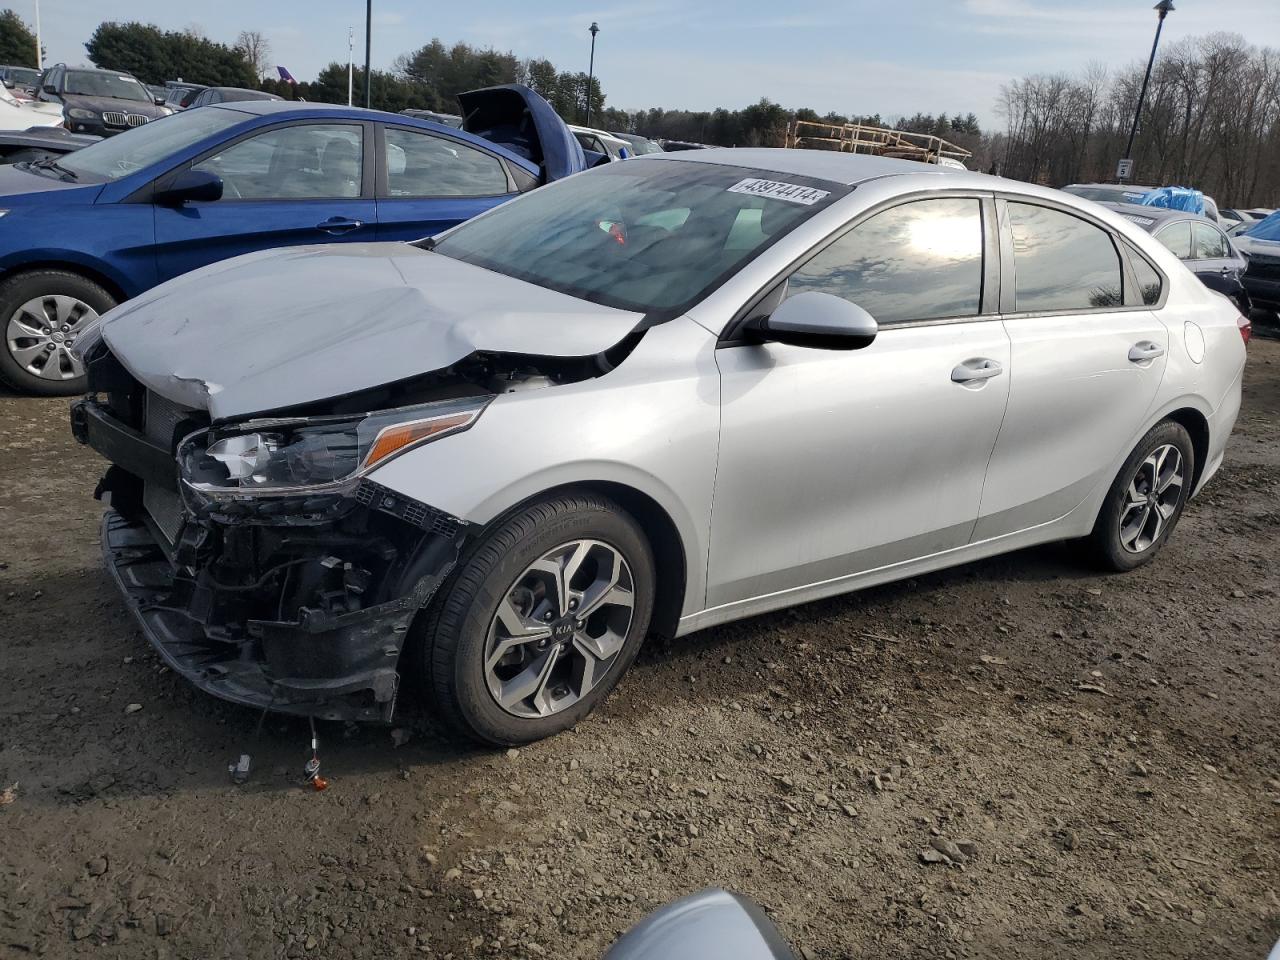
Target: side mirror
[8,84]
[50,88]
[190,186]
[818,320]
[159,101]
[711,925]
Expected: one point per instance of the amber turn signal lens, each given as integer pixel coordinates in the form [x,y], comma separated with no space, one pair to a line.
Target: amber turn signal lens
[395,438]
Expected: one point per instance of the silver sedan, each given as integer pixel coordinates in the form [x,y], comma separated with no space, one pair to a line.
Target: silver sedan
[655,397]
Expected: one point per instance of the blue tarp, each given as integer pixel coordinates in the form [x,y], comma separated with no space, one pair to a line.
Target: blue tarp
[1266,229]
[1175,198]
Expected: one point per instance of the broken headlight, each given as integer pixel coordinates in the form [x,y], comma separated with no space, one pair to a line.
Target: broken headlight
[312,455]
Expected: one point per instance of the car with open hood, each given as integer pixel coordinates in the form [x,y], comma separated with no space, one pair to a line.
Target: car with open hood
[85,231]
[487,462]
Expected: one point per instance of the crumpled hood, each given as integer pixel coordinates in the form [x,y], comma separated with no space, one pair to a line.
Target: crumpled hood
[290,326]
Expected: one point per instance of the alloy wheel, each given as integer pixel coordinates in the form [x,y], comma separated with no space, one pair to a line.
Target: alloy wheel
[40,333]
[559,628]
[1151,499]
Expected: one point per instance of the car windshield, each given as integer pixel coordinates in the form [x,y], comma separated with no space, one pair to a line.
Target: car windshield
[651,235]
[1267,229]
[88,84]
[640,146]
[22,75]
[140,147]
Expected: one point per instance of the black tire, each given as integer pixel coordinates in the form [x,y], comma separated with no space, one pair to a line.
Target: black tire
[455,632]
[1106,542]
[23,287]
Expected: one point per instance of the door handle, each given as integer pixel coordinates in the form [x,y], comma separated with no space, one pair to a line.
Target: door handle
[1145,350]
[975,369]
[339,225]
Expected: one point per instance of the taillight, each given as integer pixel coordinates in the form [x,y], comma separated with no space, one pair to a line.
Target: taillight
[1246,327]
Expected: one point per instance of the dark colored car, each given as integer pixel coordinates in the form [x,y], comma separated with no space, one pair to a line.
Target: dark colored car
[99,102]
[179,94]
[670,146]
[448,119]
[106,223]
[40,143]
[19,78]
[1199,243]
[1260,245]
[211,95]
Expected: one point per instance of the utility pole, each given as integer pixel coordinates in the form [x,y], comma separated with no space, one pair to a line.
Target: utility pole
[591,68]
[1125,170]
[351,63]
[39,52]
[368,53]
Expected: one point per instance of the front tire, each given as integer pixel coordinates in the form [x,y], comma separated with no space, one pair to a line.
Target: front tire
[540,621]
[1146,499]
[41,313]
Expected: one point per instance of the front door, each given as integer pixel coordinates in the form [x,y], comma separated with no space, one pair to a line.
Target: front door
[1088,362]
[835,463]
[293,184]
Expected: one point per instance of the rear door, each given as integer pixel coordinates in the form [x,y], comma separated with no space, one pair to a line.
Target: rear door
[288,184]
[1213,259]
[429,182]
[1088,356]
[835,462]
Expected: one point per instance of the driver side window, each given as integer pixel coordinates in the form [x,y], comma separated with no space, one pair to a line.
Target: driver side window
[305,161]
[917,261]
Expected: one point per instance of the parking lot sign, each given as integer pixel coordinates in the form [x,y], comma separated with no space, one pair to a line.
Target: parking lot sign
[1124,169]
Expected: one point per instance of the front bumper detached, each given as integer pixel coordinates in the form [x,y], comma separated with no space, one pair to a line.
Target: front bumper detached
[335,666]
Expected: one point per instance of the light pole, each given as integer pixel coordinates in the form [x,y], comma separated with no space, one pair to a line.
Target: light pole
[1125,170]
[368,53]
[39,52]
[591,68]
[351,61]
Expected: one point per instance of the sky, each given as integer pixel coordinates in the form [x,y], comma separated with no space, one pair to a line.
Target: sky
[891,57]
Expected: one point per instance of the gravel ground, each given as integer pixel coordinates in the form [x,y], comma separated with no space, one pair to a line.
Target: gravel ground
[1094,756]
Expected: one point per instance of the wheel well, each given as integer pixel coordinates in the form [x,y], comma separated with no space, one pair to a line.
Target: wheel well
[670,568]
[1197,426]
[88,273]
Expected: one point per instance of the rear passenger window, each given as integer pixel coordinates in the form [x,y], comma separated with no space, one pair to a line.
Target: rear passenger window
[1177,237]
[1208,243]
[422,165]
[1149,282]
[1062,262]
[917,261]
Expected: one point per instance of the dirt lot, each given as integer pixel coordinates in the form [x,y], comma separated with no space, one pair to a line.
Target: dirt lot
[1109,744]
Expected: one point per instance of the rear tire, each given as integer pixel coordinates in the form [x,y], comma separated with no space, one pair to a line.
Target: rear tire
[1145,500]
[507,588]
[41,312]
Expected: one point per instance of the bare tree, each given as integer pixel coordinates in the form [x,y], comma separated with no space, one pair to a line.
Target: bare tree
[1211,120]
[256,49]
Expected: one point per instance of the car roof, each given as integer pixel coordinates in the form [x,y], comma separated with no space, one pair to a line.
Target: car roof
[846,168]
[1154,217]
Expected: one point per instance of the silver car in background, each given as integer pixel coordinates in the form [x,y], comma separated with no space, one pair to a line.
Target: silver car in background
[651,398]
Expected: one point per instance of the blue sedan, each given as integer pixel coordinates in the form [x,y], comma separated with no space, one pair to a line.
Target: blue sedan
[83,232]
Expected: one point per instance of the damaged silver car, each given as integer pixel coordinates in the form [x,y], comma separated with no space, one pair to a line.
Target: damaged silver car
[654,397]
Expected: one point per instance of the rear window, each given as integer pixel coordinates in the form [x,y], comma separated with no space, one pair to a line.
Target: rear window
[1062,262]
[645,235]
